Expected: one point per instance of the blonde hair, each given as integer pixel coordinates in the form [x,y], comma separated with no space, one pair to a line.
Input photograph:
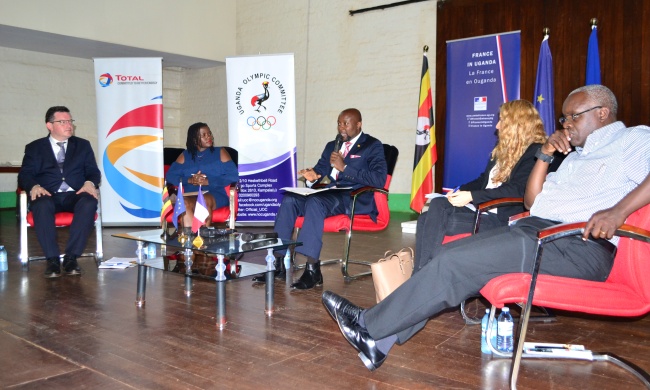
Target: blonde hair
[521,126]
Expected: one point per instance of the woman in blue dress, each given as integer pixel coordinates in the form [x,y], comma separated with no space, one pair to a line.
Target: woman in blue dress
[202,164]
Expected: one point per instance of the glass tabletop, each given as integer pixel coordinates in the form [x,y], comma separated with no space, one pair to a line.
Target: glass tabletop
[227,245]
[231,246]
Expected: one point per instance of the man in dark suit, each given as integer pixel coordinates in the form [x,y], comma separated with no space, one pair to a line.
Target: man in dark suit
[61,174]
[357,163]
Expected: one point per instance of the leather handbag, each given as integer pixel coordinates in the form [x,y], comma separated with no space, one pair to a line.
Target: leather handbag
[391,271]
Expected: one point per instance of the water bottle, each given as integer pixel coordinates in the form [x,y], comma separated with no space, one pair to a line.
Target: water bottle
[3,259]
[485,348]
[504,331]
[151,251]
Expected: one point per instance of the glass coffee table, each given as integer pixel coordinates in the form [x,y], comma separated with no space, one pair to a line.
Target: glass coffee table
[221,246]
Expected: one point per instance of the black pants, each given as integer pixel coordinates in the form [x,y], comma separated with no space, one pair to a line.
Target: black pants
[461,268]
[444,219]
[84,207]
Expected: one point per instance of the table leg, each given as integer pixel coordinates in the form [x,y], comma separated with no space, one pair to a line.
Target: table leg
[142,276]
[270,281]
[188,271]
[221,292]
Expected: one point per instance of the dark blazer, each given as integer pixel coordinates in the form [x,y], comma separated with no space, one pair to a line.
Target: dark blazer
[513,188]
[366,166]
[40,167]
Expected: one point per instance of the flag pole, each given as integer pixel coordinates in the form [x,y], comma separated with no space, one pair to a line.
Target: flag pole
[594,23]
[546,31]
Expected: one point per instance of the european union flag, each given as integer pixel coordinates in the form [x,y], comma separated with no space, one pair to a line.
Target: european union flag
[544,91]
[179,208]
[593,59]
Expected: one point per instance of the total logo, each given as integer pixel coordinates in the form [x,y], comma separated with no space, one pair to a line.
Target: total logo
[105,80]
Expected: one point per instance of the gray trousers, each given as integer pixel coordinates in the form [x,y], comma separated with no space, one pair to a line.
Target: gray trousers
[461,268]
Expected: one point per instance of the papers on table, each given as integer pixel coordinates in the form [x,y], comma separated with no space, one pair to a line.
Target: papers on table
[118,263]
[305,191]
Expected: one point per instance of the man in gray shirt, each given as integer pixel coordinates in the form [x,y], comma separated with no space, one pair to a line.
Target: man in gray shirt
[609,162]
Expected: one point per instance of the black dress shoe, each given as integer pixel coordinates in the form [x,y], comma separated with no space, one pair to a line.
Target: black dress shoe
[279,273]
[310,277]
[53,268]
[334,303]
[359,338]
[70,265]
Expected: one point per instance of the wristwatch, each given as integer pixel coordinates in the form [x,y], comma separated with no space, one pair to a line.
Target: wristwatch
[544,157]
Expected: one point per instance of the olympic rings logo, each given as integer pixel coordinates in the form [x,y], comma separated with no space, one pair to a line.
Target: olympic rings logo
[261,122]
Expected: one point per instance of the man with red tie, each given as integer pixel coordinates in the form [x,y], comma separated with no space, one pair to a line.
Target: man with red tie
[358,162]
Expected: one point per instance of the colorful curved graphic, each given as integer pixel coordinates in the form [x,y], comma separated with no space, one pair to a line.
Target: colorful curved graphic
[105,80]
[147,202]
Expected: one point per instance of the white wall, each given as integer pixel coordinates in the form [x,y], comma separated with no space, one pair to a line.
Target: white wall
[195,28]
[371,61]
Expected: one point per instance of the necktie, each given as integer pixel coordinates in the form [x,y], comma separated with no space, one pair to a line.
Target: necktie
[347,149]
[60,159]
[345,153]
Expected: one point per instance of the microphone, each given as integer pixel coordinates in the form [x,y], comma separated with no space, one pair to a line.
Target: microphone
[337,143]
[249,246]
[245,237]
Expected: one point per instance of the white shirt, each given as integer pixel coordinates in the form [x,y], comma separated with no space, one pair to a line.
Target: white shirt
[613,162]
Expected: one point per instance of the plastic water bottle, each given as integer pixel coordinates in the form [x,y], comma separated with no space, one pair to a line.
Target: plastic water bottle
[504,331]
[151,251]
[3,259]
[485,348]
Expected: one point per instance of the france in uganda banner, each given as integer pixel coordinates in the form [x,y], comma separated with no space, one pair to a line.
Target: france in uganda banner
[482,73]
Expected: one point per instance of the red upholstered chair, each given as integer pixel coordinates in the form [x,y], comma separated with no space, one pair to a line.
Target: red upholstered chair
[625,293]
[226,214]
[60,220]
[360,223]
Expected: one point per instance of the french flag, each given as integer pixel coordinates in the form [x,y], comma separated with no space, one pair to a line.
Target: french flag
[200,212]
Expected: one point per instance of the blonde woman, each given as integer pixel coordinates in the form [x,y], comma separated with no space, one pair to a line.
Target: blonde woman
[520,134]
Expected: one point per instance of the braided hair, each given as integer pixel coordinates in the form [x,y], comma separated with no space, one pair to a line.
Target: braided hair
[194,139]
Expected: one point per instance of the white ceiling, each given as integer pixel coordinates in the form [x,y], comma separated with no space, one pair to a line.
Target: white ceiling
[39,41]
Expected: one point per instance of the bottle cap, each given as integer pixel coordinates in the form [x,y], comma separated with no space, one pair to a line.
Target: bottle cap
[506,309]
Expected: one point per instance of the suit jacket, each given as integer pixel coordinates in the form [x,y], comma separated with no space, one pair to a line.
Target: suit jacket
[366,166]
[513,188]
[40,167]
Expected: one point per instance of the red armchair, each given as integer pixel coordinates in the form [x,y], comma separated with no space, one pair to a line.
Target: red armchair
[625,293]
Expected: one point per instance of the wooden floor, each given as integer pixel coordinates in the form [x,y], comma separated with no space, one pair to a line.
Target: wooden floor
[86,332]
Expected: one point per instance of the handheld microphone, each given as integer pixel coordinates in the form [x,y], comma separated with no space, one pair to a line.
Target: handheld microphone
[337,144]
[249,246]
[246,237]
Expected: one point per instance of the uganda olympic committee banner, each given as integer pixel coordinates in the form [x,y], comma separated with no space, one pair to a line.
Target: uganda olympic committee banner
[130,138]
[482,73]
[262,127]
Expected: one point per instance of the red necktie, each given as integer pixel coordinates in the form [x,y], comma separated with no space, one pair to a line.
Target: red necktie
[347,149]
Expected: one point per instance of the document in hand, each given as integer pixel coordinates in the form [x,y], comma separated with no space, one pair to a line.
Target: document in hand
[305,191]
[437,195]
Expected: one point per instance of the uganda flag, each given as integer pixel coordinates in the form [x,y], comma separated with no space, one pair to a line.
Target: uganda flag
[167,204]
[425,144]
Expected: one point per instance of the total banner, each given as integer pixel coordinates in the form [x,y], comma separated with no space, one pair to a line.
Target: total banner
[482,74]
[130,138]
[262,127]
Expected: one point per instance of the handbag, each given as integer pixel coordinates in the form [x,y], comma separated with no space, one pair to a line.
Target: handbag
[391,271]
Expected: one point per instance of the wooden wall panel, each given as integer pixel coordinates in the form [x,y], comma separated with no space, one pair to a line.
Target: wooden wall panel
[624,43]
